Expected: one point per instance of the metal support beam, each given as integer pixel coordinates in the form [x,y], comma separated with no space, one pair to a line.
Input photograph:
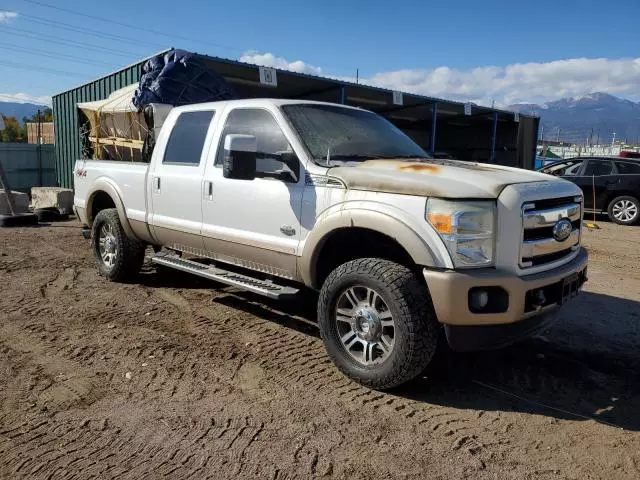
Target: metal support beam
[343,95]
[492,158]
[318,91]
[397,108]
[434,118]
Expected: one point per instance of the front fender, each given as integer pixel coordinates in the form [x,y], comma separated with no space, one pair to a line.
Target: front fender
[421,242]
[109,187]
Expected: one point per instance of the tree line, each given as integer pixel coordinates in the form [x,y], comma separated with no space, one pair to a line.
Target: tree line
[15,132]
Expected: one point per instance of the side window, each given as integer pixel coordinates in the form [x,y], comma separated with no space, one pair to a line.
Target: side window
[598,168]
[565,168]
[187,138]
[627,167]
[572,169]
[275,156]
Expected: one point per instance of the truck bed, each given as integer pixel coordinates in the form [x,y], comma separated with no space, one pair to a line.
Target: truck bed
[127,178]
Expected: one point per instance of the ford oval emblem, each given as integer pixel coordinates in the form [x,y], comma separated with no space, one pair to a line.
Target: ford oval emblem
[562,229]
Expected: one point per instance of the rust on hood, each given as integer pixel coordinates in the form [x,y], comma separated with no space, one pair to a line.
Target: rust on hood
[441,178]
[419,168]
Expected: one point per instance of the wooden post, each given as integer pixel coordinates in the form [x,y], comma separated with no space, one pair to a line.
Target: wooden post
[7,190]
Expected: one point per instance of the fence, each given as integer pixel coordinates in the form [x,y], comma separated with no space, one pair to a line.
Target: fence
[28,165]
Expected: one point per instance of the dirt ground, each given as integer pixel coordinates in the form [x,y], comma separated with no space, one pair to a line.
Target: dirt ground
[176,377]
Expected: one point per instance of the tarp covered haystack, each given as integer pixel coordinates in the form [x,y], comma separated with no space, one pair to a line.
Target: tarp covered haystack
[179,77]
[114,128]
[124,125]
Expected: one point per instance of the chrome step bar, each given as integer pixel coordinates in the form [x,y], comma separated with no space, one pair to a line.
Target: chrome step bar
[245,282]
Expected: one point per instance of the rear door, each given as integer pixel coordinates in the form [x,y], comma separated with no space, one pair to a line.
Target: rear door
[596,179]
[176,181]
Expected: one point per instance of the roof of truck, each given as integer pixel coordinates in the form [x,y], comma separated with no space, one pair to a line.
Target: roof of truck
[257,102]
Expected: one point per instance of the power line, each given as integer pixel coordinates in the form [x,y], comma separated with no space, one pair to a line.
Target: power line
[128,25]
[53,71]
[58,56]
[69,43]
[85,31]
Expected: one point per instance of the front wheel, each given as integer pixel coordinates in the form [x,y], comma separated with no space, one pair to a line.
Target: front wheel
[118,257]
[624,210]
[377,323]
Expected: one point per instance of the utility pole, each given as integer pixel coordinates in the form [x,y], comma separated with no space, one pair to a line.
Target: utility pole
[613,142]
[357,75]
[558,135]
[39,150]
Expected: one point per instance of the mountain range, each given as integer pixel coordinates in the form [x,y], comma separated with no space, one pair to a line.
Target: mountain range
[20,110]
[596,116]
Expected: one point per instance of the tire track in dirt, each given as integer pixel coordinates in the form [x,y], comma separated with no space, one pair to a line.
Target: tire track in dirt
[297,362]
[221,442]
[181,451]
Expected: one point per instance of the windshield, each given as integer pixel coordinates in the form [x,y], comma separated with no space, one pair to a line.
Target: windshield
[336,134]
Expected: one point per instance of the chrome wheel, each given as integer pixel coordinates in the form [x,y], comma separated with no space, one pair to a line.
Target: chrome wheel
[365,325]
[107,245]
[625,210]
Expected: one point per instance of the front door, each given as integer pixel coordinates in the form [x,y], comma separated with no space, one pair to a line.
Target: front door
[177,186]
[255,223]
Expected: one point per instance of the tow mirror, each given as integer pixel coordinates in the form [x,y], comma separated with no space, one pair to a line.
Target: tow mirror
[240,157]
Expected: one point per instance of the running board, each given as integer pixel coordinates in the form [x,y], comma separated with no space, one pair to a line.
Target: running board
[251,284]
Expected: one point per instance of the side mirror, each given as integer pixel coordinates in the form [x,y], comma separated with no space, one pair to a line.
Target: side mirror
[240,157]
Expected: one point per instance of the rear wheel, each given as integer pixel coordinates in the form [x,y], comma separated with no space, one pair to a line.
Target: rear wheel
[624,210]
[118,257]
[377,322]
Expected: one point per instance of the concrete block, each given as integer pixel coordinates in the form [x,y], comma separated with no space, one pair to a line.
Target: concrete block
[52,197]
[21,201]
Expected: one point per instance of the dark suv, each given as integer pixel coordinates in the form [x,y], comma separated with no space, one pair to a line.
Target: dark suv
[611,185]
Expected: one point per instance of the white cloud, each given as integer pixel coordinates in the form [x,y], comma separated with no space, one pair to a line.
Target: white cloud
[270,60]
[24,98]
[515,83]
[6,16]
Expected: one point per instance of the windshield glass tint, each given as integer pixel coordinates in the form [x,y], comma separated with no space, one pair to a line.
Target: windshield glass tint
[347,134]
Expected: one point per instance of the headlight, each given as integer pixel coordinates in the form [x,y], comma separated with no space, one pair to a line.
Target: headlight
[467,228]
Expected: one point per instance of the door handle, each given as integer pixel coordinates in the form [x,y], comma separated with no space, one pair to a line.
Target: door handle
[207,191]
[156,181]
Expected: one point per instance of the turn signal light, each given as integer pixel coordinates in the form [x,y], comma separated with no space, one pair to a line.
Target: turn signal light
[441,222]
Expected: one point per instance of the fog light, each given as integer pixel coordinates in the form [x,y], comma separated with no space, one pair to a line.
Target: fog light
[478,299]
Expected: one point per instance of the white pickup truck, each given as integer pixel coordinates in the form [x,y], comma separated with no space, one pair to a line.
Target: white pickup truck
[273,196]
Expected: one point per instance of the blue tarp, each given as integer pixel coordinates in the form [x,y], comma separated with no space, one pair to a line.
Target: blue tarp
[179,77]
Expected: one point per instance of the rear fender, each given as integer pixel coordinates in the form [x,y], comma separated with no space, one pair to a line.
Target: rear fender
[109,187]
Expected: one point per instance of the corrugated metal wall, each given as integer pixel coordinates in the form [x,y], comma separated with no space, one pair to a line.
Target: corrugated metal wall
[20,163]
[68,148]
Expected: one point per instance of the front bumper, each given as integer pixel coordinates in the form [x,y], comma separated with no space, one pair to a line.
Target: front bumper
[450,292]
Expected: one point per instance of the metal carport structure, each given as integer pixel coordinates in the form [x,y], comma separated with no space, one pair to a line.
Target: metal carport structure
[463,131]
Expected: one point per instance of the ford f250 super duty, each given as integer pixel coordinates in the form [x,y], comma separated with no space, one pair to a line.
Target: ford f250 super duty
[273,196]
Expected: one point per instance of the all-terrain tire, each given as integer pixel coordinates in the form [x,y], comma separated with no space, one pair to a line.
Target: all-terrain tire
[409,303]
[129,252]
[633,206]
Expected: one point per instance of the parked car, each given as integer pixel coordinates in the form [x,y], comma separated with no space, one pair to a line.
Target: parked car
[273,196]
[611,185]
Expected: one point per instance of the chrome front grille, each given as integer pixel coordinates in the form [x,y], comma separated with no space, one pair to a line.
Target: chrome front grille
[539,246]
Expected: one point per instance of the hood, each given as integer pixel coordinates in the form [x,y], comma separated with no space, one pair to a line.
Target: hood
[434,178]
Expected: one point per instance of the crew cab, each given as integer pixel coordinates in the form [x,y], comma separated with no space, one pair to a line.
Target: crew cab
[610,185]
[276,196]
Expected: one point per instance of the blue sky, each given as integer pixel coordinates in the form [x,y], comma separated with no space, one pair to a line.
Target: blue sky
[502,51]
